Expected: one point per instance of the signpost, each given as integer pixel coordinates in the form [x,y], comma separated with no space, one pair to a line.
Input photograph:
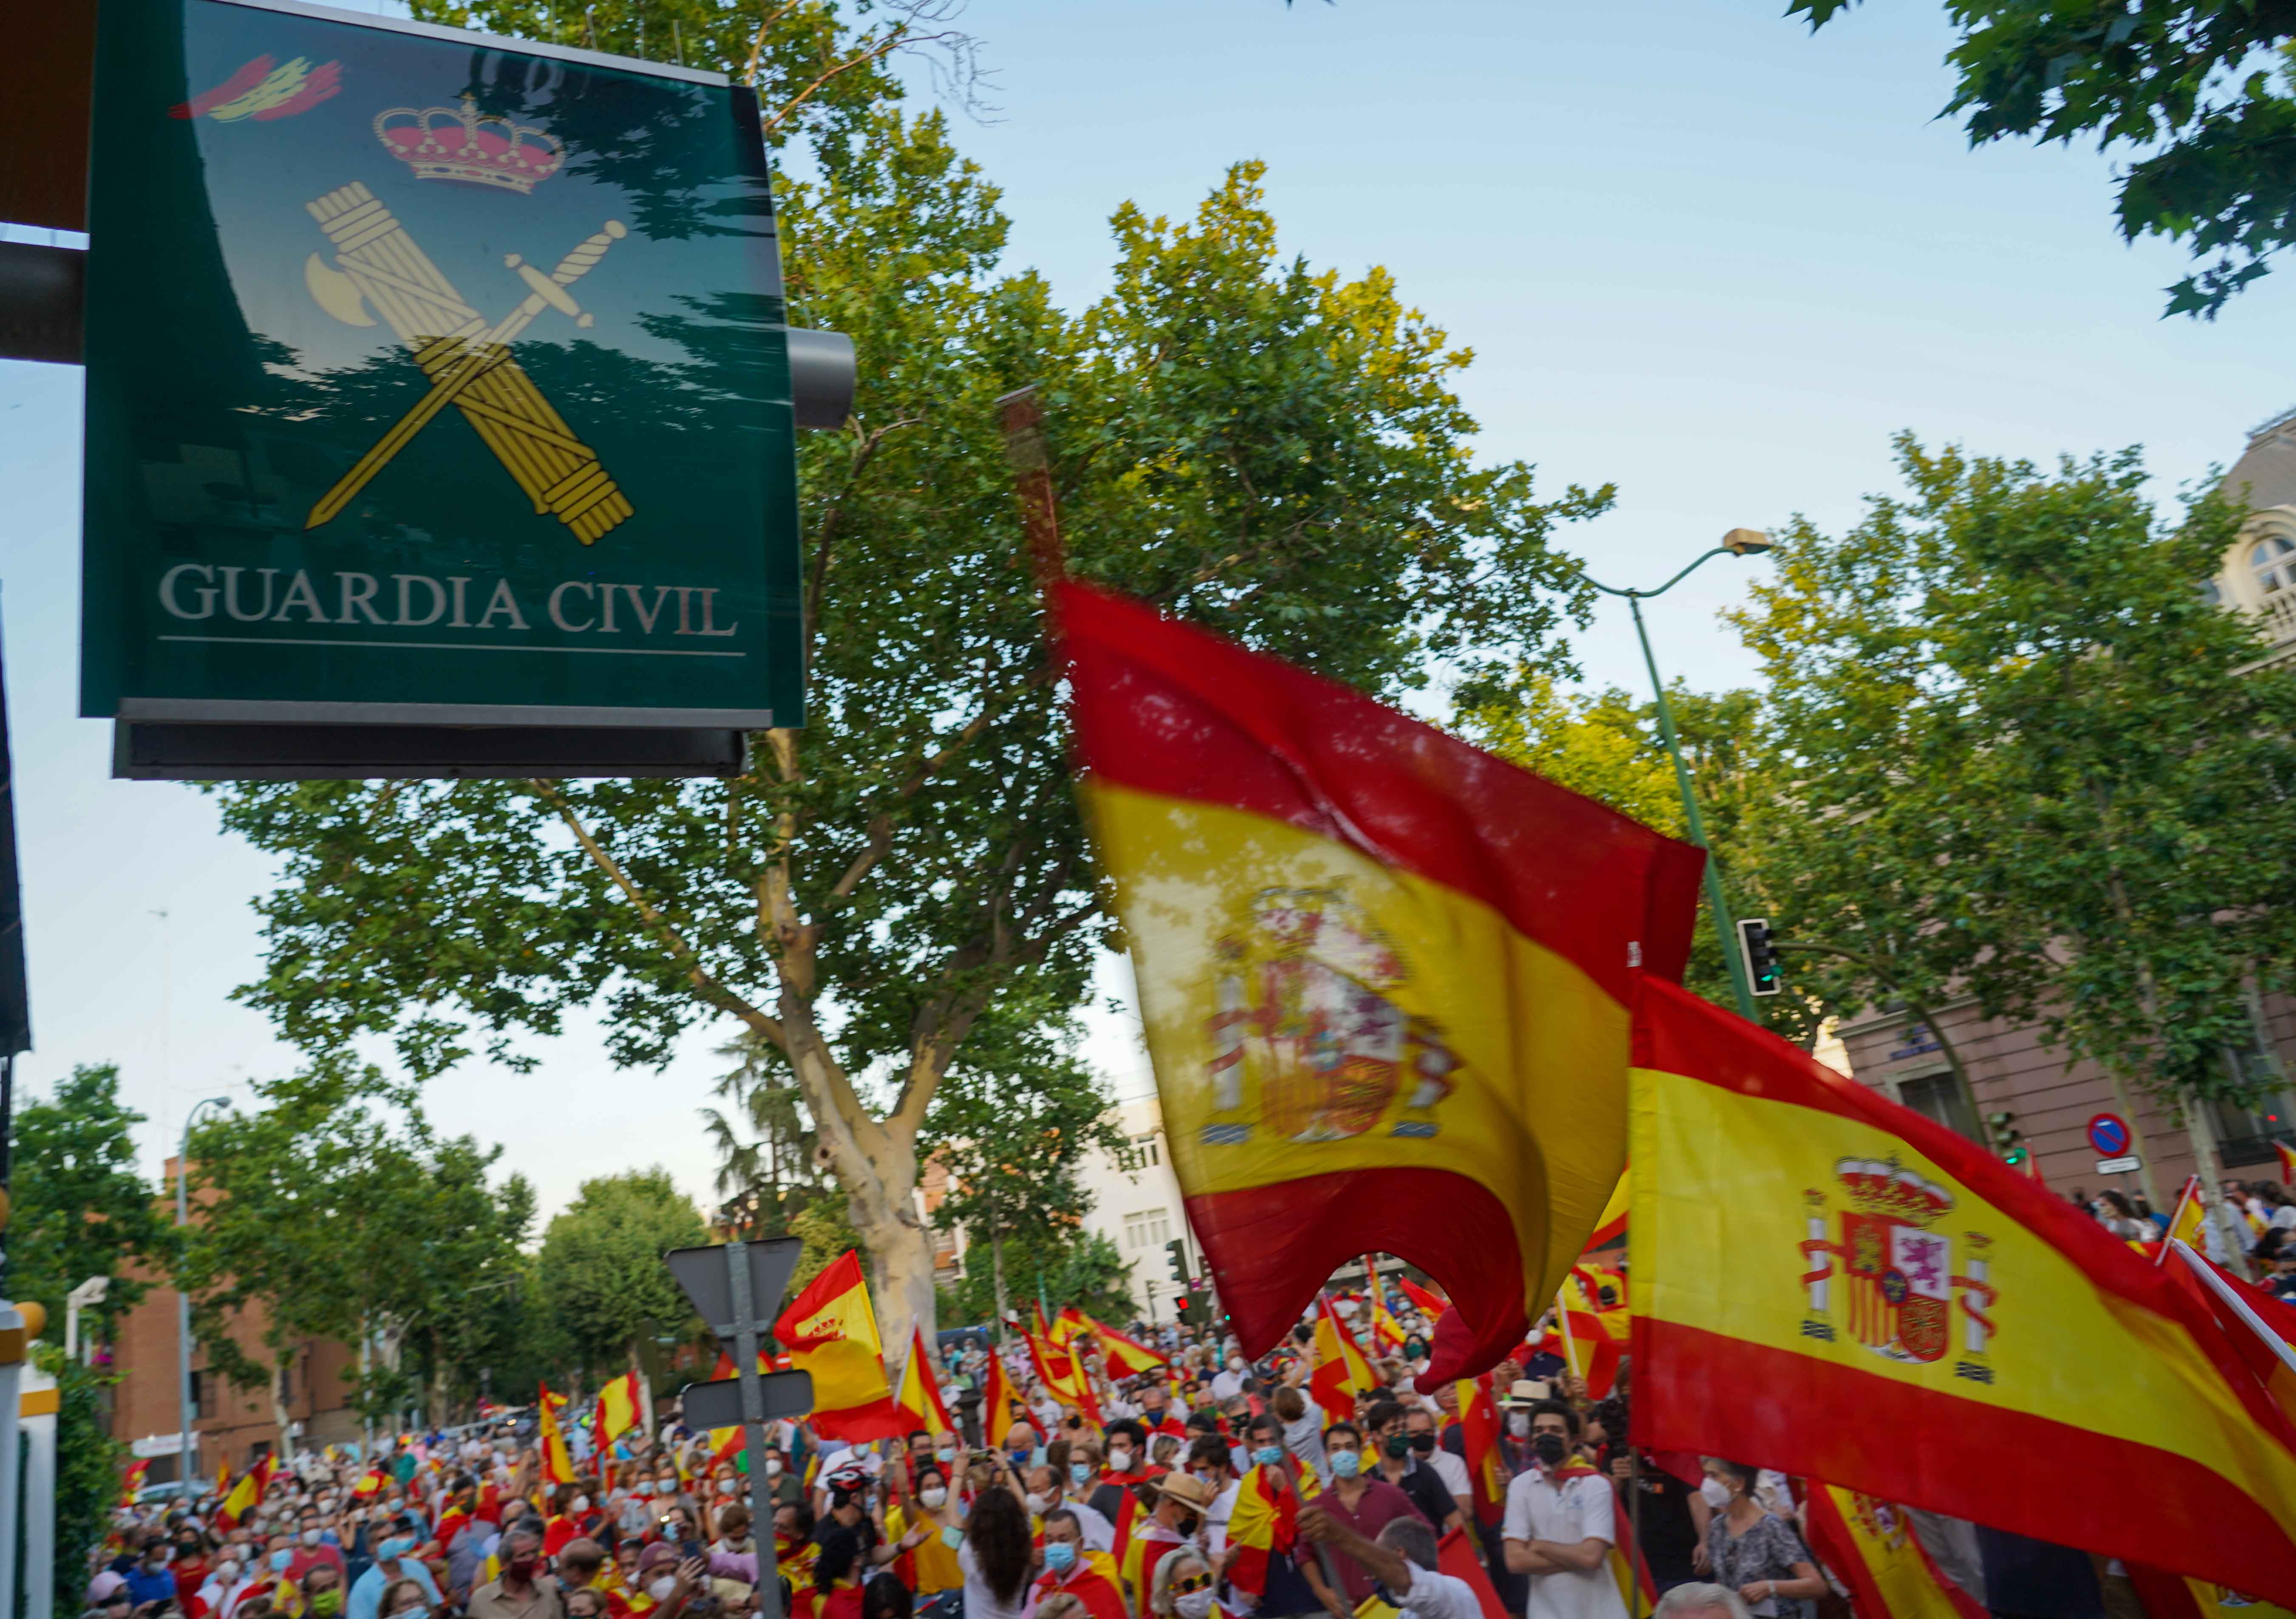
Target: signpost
[441,405]
[2109,1134]
[737,1288]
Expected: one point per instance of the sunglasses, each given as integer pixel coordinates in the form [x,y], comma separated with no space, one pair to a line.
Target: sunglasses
[1190,1582]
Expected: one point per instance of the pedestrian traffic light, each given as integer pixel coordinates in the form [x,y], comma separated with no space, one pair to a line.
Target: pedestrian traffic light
[2007,1139]
[1175,1252]
[1761,957]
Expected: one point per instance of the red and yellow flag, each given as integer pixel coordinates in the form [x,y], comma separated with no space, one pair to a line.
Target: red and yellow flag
[245,1493]
[1061,1373]
[1265,1521]
[1429,1305]
[2188,1223]
[557,1462]
[997,1399]
[1612,1224]
[1478,1425]
[2287,1162]
[618,1408]
[1871,1547]
[2167,1595]
[1341,1372]
[1124,1356]
[1385,976]
[1926,1324]
[919,1401]
[132,1480]
[830,1330]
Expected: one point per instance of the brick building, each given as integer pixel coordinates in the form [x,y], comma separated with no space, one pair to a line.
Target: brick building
[233,1425]
[2007,1067]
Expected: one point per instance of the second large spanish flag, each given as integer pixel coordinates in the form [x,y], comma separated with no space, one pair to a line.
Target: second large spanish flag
[1831,1285]
[1385,976]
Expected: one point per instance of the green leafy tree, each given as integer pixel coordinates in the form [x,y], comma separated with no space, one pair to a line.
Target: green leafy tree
[1011,1124]
[1072,1265]
[2197,91]
[1269,449]
[334,1211]
[600,1269]
[81,1209]
[2023,760]
[88,1463]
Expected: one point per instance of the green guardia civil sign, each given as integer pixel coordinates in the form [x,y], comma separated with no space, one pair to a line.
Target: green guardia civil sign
[432,378]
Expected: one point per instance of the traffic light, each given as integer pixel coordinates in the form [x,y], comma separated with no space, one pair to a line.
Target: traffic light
[1761,957]
[2008,1141]
[1175,1252]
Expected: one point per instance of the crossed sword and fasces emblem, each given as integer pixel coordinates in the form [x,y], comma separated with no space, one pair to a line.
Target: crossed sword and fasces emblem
[378,265]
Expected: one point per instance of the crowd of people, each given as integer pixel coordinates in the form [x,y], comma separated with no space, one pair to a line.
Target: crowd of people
[2263,1224]
[1209,1486]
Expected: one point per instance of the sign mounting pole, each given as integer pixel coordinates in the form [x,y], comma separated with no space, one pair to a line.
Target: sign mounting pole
[753,1428]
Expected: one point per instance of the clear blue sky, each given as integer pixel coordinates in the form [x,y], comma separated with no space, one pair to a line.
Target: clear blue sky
[1698,253]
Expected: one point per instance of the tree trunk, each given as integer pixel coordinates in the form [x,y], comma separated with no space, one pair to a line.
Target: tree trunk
[997,1274]
[2201,1130]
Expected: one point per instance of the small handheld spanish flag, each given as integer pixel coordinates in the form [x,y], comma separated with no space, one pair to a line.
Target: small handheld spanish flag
[2287,1163]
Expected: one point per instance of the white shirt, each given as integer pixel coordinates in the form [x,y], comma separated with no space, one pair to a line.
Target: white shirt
[1227,1385]
[1438,1596]
[1305,1438]
[1450,1470]
[1092,1523]
[980,1601]
[1216,1515]
[1580,1511]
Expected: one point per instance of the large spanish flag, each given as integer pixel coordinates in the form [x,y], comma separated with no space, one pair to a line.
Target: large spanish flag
[1829,1284]
[830,1330]
[1871,1547]
[617,1409]
[1385,976]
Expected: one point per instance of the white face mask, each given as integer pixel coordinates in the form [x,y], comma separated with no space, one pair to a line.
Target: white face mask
[660,1588]
[1717,1493]
[310,1537]
[1119,1460]
[1519,1424]
[581,1503]
[934,1496]
[772,1466]
[1194,1604]
[1037,1502]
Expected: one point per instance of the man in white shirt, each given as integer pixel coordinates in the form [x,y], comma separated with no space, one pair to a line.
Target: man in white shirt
[1559,1526]
[1228,1381]
[1402,1560]
[1419,1425]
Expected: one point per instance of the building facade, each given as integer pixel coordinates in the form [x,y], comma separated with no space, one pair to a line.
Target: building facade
[2007,1068]
[1134,1200]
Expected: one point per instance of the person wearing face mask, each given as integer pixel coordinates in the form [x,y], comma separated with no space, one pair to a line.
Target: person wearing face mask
[148,1579]
[1047,1493]
[523,1590]
[313,1547]
[1396,1463]
[929,1563]
[1559,1526]
[1213,1465]
[394,1545]
[189,1567]
[1756,1552]
[1365,1503]
[1073,1568]
[319,1596]
[1419,1430]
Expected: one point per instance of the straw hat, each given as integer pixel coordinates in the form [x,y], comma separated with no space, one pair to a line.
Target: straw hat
[1185,1488]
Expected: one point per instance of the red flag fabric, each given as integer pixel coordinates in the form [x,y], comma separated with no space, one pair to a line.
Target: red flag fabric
[1384,976]
[1454,1555]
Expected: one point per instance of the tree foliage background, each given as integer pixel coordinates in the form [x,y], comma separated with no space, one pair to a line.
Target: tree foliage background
[1248,442]
[81,1208]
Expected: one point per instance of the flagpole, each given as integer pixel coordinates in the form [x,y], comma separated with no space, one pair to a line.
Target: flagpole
[1570,1349]
[2241,1307]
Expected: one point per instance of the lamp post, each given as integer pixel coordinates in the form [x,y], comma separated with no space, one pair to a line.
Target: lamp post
[1737,543]
[84,1297]
[183,1300]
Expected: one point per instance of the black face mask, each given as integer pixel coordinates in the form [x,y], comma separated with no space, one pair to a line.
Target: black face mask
[1424,1443]
[1549,1448]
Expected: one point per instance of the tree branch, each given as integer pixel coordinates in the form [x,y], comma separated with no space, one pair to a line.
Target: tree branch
[704,984]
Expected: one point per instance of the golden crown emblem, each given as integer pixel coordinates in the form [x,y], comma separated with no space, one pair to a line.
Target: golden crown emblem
[462,143]
[1887,1188]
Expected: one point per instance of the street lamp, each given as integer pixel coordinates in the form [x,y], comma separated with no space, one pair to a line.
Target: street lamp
[1737,543]
[86,1296]
[183,1453]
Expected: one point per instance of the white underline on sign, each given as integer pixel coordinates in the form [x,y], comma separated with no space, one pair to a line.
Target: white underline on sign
[447,646]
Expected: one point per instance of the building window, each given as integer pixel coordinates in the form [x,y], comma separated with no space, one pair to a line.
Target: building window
[1939,1099]
[1141,1153]
[1148,1229]
[2274,558]
[203,1393]
[287,1383]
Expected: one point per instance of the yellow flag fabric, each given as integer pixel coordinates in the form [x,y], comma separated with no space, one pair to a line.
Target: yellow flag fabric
[618,1407]
[557,1464]
[1923,1323]
[1384,976]
[830,1332]
[1871,1547]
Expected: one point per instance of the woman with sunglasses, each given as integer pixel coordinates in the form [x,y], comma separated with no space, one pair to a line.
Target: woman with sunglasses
[1182,1587]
